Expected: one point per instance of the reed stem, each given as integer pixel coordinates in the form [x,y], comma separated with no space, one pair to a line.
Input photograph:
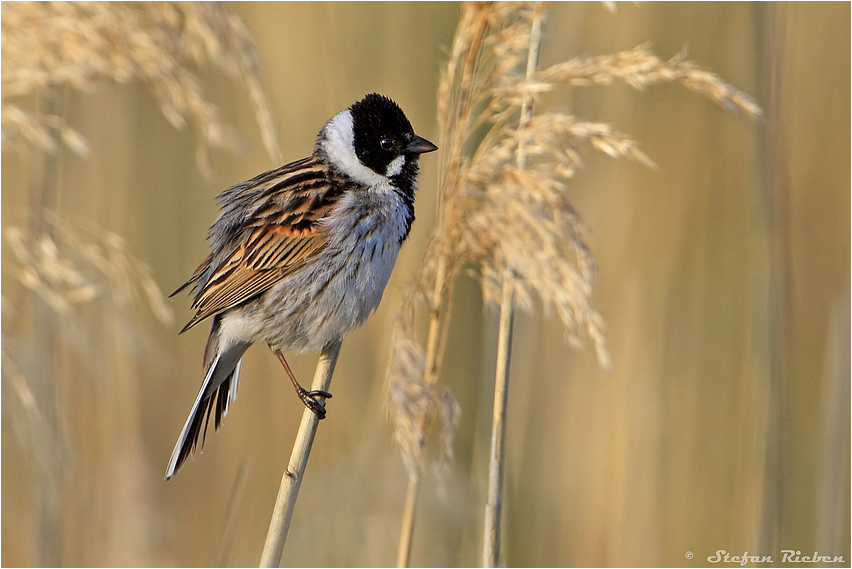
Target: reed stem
[491,549]
[403,554]
[292,478]
[452,143]
[494,505]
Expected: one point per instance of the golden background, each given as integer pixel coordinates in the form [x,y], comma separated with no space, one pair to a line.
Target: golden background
[723,280]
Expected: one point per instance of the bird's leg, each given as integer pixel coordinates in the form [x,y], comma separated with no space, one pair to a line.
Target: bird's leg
[307,397]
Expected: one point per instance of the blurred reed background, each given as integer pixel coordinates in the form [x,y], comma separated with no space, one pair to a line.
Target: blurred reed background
[723,282]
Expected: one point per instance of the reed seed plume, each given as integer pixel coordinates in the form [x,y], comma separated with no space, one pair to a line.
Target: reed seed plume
[409,397]
[49,50]
[511,219]
[72,265]
[48,46]
[412,402]
[640,68]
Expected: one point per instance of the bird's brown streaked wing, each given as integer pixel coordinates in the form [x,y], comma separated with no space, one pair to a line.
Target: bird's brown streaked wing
[282,238]
[241,278]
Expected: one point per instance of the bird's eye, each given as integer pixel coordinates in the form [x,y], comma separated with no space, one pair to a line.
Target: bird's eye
[386,144]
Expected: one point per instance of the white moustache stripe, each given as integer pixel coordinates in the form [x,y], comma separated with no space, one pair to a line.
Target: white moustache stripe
[395,167]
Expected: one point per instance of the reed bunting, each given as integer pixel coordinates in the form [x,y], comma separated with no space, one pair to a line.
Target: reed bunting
[301,254]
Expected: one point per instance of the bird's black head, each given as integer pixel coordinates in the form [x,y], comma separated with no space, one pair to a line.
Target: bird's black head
[375,133]
[384,140]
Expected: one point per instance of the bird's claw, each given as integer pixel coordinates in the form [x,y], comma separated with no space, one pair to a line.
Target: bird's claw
[308,398]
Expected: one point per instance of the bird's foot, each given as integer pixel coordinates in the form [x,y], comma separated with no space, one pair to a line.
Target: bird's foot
[310,401]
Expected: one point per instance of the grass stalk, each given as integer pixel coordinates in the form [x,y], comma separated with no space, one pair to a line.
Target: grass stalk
[292,478]
[403,554]
[452,139]
[494,505]
[439,316]
[406,533]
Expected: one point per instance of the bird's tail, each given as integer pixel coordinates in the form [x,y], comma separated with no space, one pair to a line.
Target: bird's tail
[218,390]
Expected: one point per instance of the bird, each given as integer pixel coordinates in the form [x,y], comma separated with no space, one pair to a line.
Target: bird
[301,254]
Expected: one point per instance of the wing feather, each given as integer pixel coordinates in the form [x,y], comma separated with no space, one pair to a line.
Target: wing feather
[273,228]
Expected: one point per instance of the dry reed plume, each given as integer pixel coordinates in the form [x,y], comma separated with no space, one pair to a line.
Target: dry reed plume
[48,46]
[74,275]
[67,266]
[510,218]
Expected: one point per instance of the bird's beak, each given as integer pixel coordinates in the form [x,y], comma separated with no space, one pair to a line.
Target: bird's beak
[420,146]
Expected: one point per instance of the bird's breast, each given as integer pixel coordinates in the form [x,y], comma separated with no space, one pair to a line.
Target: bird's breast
[339,289]
[367,231]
